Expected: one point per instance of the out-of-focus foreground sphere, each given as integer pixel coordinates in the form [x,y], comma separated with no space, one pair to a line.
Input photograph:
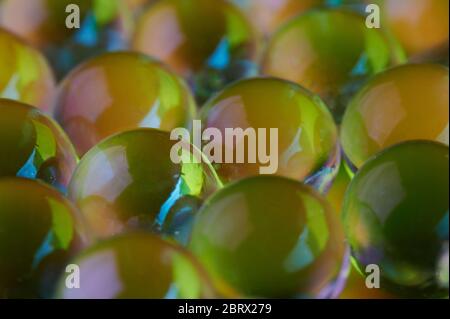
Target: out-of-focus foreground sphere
[305,147]
[24,73]
[34,146]
[271,237]
[396,217]
[330,52]
[120,91]
[268,15]
[130,181]
[409,102]
[210,43]
[137,266]
[38,234]
[104,25]
[419,25]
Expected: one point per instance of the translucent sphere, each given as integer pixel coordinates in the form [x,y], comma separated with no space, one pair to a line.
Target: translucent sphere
[396,217]
[34,146]
[38,235]
[130,181]
[210,43]
[271,237]
[103,26]
[409,102]
[119,91]
[24,73]
[330,52]
[137,266]
[268,15]
[303,148]
[420,25]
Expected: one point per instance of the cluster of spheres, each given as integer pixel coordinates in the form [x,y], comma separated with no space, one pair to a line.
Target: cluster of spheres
[224,149]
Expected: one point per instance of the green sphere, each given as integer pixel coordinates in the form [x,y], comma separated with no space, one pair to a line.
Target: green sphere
[270,237]
[34,146]
[130,181]
[39,233]
[396,217]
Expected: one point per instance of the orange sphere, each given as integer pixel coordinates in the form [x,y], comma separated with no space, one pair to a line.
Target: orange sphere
[268,15]
[409,102]
[43,22]
[185,34]
[115,92]
[420,25]
[304,147]
[209,43]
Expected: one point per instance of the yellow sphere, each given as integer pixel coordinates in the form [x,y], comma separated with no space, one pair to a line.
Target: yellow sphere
[409,102]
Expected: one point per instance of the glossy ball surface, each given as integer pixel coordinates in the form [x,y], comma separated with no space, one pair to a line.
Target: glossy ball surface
[409,102]
[420,25]
[24,73]
[105,25]
[138,266]
[38,235]
[271,237]
[396,217]
[330,52]
[306,145]
[115,92]
[34,146]
[129,181]
[268,15]
[209,43]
